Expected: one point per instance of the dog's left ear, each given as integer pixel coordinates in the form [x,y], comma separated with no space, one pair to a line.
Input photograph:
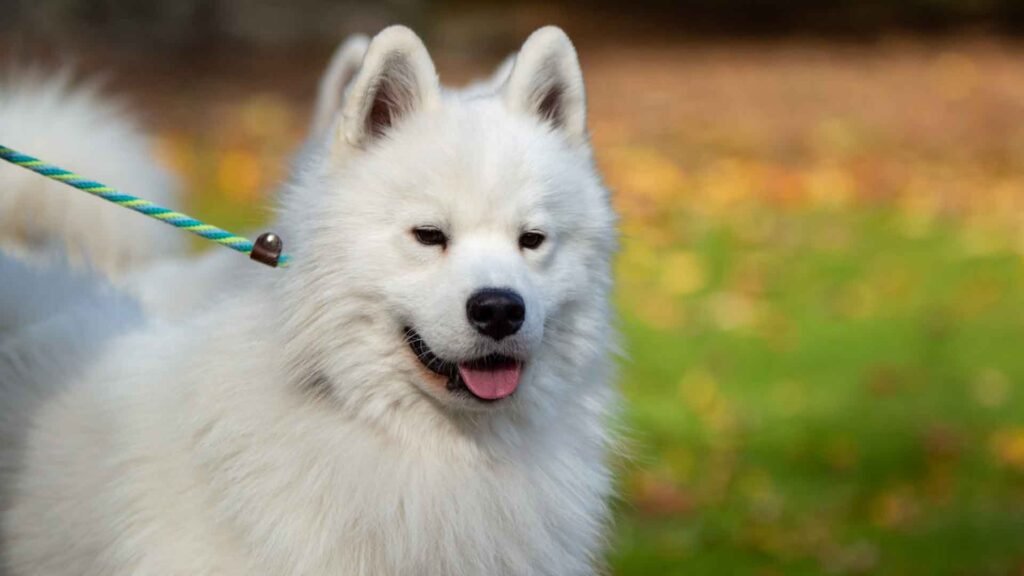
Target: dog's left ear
[336,80]
[546,82]
[397,79]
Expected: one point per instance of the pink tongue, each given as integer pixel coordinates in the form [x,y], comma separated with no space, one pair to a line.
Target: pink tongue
[491,384]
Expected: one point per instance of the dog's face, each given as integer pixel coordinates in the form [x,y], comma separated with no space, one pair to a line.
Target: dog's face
[457,247]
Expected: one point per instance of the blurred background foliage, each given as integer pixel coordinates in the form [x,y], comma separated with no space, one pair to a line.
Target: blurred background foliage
[821,280]
[184,22]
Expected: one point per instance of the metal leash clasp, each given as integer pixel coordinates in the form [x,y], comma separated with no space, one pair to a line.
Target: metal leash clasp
[267,249]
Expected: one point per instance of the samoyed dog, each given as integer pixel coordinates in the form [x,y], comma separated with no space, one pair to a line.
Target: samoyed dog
[425,390]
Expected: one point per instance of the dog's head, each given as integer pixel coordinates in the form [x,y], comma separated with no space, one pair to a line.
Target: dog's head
[451,246]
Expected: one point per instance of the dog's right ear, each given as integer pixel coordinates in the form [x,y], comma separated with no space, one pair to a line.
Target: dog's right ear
[396,80]
[343,67]
[546,82]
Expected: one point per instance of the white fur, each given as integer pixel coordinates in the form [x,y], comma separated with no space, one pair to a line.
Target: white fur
[547,68]
[288,430]
[396,65]
[341,70]
[73,127]
[179,286]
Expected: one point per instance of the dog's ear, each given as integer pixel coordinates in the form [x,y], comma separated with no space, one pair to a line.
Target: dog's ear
[546,82]
[340,72]
[397,78]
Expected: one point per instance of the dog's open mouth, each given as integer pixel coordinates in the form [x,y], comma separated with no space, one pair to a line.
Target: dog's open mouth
[487,379]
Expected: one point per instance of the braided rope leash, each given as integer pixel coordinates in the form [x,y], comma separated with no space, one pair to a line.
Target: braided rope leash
[266,249]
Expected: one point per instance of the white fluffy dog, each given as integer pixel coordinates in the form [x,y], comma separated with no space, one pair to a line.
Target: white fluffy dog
[424,391]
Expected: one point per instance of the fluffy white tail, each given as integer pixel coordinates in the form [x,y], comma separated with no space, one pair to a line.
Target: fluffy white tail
[71,126]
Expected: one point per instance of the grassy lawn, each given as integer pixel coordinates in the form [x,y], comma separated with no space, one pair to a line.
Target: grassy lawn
[835,398]
[822,297]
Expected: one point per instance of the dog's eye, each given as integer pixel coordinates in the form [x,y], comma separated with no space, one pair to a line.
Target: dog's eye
[530,240]
[430,236]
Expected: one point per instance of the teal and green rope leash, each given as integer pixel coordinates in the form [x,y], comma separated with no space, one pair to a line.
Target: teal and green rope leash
[266,249]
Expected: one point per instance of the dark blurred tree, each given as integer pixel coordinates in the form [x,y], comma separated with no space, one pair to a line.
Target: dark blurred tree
[196,23]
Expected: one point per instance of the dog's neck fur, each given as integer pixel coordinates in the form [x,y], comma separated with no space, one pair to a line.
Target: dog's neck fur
[269,452]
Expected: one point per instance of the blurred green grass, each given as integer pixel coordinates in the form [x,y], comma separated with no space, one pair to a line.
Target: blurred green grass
[820,288]
[858,415]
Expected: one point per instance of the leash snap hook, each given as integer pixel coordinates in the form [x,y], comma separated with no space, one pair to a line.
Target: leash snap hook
[267,249]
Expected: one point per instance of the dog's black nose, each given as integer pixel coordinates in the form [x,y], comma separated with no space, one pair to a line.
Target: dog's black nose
[496,312]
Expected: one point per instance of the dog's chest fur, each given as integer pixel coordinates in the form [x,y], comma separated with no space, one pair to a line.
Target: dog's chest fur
[330,497]
[414,515]
[234,473]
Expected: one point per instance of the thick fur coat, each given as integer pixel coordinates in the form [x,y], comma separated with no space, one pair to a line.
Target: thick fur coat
[300,427]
